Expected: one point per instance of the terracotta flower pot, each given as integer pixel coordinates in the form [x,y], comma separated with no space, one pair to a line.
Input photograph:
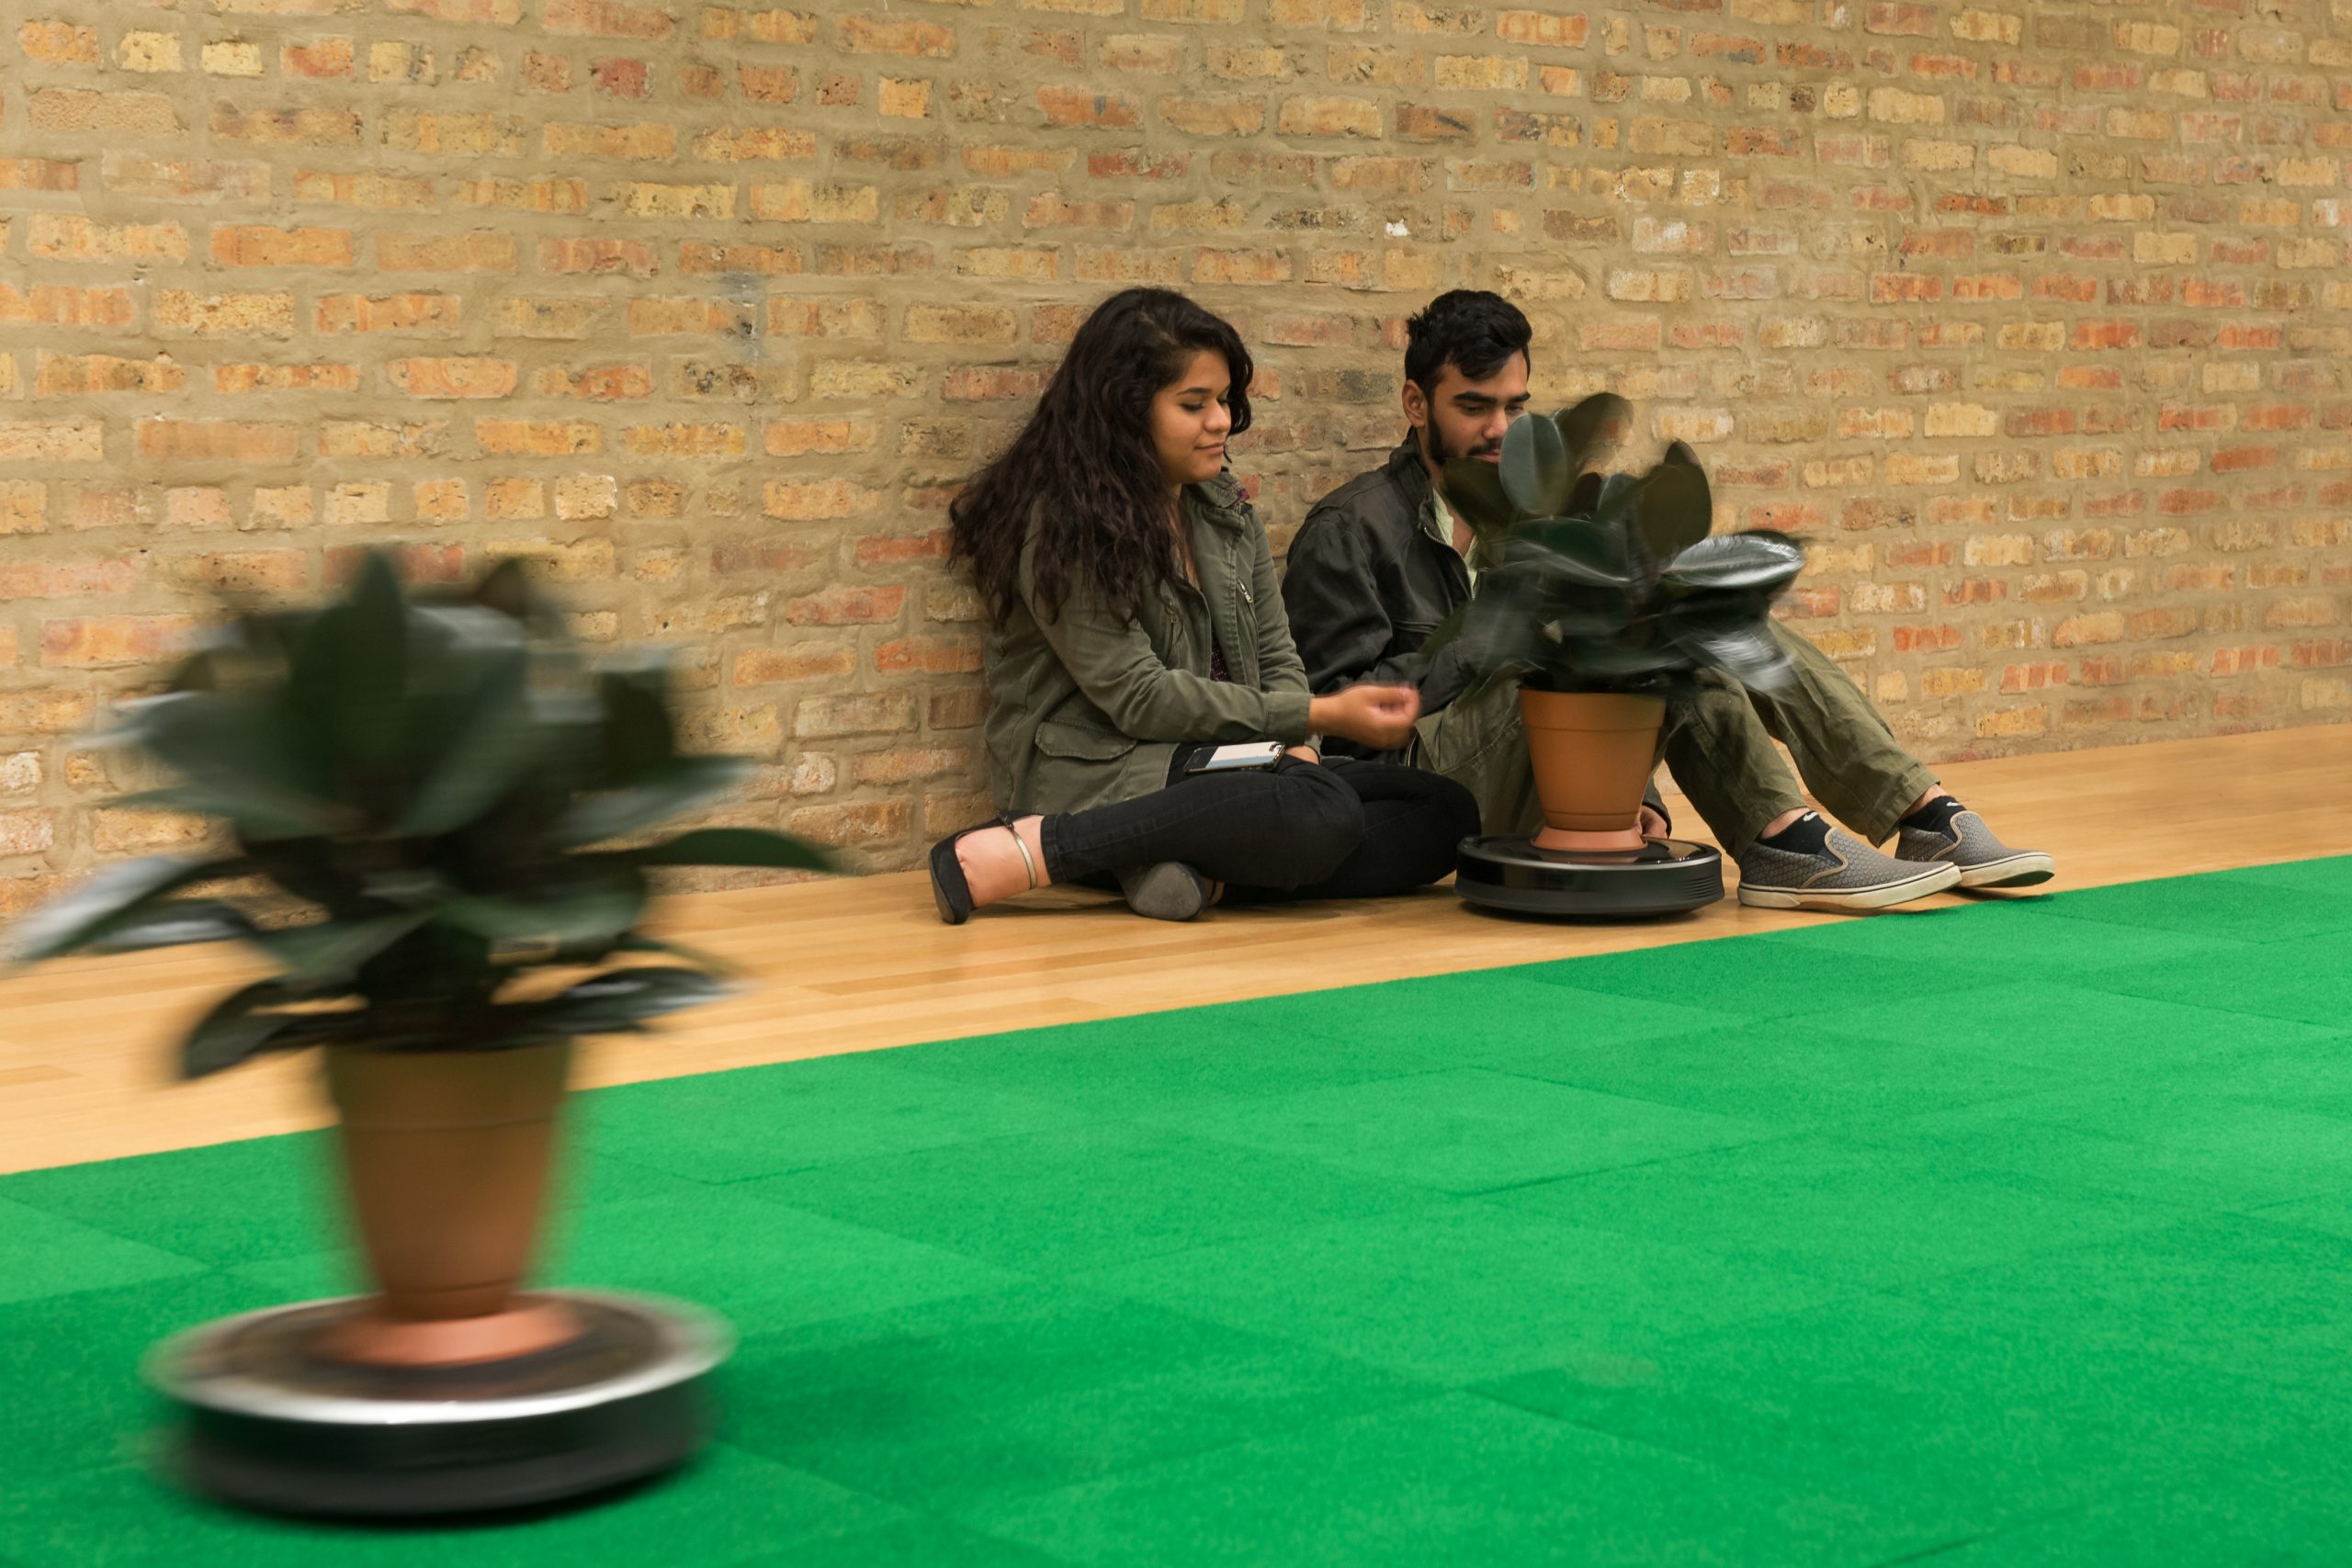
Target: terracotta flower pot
[1592,752]
[446,1155]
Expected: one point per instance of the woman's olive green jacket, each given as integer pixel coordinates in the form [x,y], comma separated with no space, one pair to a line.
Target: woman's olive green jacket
[1089,709]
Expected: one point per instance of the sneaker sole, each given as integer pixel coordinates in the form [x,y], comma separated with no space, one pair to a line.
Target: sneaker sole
[2018,871]
[1883,897]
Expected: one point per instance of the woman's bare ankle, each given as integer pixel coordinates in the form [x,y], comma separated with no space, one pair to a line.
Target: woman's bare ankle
[995,865]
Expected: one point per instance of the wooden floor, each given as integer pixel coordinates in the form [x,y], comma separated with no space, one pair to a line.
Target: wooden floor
[856,964]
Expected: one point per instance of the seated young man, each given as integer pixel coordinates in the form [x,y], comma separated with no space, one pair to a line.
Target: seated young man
[1380,561]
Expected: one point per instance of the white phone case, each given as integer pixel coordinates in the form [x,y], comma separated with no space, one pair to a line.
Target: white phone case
[1239,756]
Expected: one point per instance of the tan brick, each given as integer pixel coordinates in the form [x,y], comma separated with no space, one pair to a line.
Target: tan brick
[269,443]
[57,236]
[252,244]
[65,110]
[109,640]
[51,441]
[446,253]
[453,377]
[833,715]
[286,128]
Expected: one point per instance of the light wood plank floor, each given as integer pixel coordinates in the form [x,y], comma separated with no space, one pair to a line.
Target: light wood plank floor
[856,964]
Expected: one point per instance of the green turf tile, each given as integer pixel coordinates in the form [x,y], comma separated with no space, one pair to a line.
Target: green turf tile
[1051,1202]
[1463,1289]
[262,1199]
[2270,904]
[2178,1141]
[1325,1039]
[1525,1008]
[2257,1517]
[763,1121]
[1756,980]
[2072,1030]
[1207,1054]
[2259,1300]
[761,1261]
[1836,1208]
[991,1396]
[2329,1213]
[916,1543]
[1467,1129]
[74,1399]
[225,1203]
[43,1254]
[1454,1480]
[2308,980]
[1783,1072]
[728,1508]
[1956,1430]
[2010,939]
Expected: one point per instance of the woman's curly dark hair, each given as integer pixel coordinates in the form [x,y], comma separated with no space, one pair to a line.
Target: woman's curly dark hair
[1084,468]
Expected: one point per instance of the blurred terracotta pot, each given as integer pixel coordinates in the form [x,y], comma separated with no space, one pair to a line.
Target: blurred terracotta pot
[1592,752]
[446,1156]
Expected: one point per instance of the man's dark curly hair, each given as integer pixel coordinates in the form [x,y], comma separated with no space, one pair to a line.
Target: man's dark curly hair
[1474,331]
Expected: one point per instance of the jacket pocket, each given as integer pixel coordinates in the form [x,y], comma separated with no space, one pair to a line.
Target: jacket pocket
[1083,742]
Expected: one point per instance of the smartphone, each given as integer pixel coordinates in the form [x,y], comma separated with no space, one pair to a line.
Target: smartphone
[1239,757]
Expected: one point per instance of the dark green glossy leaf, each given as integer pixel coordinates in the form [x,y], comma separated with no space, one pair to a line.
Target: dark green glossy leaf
[637,738]
[625,999]
[497,738]
[235,758]
[181,922]
[1566,551]
[310,869]
[1534,469]
[595,914]
[328,953]
[1758,561]
[1676,511]
[1750,657]
[351,671]
[236,1029]
[1474,492]
[1591,426]
[733,846]
[1622,656]
[506,588]
[681,784]
[109,900]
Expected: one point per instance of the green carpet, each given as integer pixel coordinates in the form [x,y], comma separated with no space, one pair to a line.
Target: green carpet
[2020,1233]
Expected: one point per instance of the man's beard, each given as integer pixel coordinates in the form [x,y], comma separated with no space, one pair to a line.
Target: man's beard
[1442,452]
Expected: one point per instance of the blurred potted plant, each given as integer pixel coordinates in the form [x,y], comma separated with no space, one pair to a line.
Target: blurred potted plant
[1603,595]
[456,803]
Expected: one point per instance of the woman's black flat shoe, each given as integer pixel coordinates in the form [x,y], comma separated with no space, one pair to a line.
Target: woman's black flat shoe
[949,890]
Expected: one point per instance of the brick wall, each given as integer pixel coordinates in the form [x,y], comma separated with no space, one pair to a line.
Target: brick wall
[2029,316]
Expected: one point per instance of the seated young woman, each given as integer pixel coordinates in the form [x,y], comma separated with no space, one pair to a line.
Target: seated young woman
[1136,624]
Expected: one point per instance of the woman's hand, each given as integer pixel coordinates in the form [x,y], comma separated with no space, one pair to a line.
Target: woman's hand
[1378,716]
[1304,753]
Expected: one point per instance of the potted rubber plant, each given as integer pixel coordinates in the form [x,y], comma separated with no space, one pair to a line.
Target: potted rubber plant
[1603,595]
[449,809]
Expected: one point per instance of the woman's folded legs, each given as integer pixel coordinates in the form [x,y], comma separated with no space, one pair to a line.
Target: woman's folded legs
[1296,830]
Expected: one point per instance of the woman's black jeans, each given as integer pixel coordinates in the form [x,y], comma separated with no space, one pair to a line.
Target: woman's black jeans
[1299,830]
